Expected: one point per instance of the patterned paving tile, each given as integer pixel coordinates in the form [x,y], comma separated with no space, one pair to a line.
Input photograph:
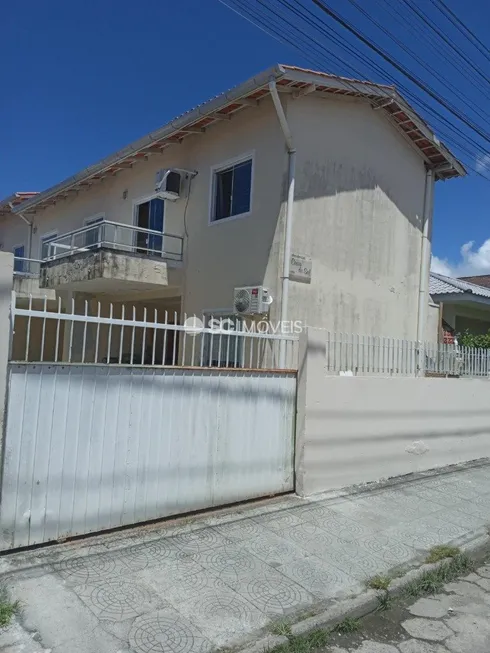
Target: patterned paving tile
[319,578]
[434,498]
[473,507]
[310,538]
[223,616]
[89,569]
[466,520]
[463,490]
[389,546]
[148,554]
[230,563]
[166,631]
[178,581]
[384,507]
[274,594]
[362,513]
[281,521]
[360,567]
[273,549]
[118,600]
[200,540]
[431,531]
[339,525]
[242,529]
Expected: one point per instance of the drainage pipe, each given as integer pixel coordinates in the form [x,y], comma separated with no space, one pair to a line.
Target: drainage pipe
[288,227]
[424,270]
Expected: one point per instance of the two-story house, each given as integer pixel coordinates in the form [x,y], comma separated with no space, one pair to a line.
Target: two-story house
[316,187]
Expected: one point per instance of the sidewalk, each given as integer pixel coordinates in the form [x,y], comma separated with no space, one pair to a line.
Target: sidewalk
[455,620]
[222,579]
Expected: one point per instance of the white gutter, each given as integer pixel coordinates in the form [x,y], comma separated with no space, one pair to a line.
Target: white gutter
[424,269]
[30,224]
[288,227]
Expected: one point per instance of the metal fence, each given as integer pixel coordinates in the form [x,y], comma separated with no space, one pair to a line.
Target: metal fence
[358,355]
[118,334]
[118,236]
[26,267]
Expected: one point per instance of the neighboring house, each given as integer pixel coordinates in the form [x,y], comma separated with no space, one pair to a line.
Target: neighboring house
[479,280]
[346,167]
[464,305]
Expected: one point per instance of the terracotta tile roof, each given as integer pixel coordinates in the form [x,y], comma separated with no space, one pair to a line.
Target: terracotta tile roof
[291,79]
[479,280]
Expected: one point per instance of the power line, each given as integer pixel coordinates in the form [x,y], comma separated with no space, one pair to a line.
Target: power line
[421,62]
[462,28]
[256,17]
[402,69]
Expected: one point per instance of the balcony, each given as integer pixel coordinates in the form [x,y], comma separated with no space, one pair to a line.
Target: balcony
[112,257]
[26,279]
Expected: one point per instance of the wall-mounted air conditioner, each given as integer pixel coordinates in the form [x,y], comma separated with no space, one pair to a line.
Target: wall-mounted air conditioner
[251,300]
[168,184]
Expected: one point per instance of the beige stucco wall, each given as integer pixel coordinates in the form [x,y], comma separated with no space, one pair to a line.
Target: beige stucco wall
[358,215]
[219,257]
[432,333]
[353,430]
[6,270]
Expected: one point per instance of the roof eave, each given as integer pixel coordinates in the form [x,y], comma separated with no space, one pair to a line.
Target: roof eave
[444,163]
[203,110]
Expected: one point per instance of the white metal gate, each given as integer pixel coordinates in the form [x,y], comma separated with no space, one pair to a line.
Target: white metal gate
[91,446]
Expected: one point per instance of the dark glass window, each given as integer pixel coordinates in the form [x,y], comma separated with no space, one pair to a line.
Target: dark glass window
[232,190]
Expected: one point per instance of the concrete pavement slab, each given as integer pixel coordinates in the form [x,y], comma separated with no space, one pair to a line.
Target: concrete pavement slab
[217,579]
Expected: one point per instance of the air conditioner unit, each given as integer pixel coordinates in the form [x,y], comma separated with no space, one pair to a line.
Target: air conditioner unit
[167,184]
[251,300]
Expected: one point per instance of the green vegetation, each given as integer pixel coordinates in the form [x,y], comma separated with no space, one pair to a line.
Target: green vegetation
[441,552]
[433,581]
[313,640]
[379,583]
[7,608]
[454,565]
[348,625]
[468,339]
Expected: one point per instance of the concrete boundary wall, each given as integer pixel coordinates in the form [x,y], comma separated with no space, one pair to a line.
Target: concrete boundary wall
[6,283]
[358,429]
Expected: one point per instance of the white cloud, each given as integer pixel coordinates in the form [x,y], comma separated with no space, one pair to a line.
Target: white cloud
[482,163]
[472,261]
[440,266]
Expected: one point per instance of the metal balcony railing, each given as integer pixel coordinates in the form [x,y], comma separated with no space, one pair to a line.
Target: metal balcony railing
[26,267]
[117,236]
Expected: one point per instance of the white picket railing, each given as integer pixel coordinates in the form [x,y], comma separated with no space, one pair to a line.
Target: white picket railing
[127,335]
[353,354]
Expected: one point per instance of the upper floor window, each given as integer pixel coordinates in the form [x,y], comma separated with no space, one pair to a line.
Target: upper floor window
[232,189]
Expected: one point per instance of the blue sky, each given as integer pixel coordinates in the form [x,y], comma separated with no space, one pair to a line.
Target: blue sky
[81,81]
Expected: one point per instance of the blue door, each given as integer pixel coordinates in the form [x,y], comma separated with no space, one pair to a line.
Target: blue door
[155,222]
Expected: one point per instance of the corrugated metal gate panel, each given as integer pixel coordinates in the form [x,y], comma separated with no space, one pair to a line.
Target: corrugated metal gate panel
[95,447]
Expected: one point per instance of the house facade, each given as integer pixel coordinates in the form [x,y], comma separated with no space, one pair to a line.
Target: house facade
[464,305]
[318,188]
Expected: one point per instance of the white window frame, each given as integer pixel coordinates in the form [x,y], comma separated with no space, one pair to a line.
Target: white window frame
[142,200]
[249,156]
[54,234]
[93,218]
